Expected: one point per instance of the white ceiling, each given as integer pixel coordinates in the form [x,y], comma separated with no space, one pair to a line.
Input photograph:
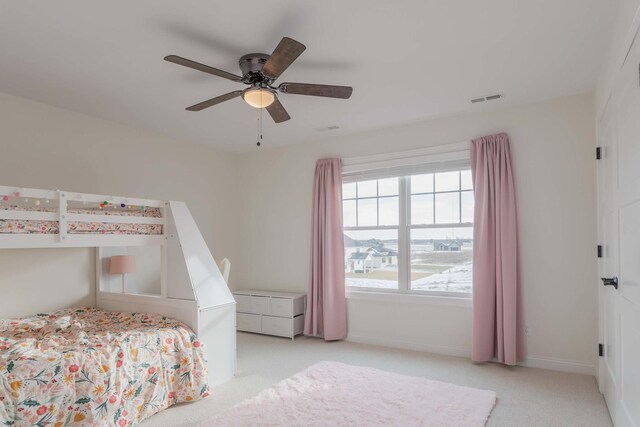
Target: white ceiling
[406,60]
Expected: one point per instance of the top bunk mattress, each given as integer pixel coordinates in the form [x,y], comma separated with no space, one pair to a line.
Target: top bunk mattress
[15,226]
[146,212]
[85,366]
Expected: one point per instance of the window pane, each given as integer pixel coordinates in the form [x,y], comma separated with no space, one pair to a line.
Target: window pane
[441,259]
[447,208]
[349,190]
[371,258]
[422,209]
[448,181]
[368,188]
[465,179]
[388,187]
[422,183]
[349,213]
[367,212]
[388,211]
[467,206]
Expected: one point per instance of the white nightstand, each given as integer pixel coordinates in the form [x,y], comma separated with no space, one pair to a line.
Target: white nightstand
[270,312]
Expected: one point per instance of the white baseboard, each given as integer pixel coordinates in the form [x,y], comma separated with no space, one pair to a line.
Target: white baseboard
[531,362]
[410,345]
[560,365]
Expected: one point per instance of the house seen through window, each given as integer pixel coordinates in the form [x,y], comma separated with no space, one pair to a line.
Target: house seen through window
[411,233]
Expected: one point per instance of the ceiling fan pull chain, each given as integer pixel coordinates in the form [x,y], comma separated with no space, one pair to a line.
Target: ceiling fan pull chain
[259,143]
[258,123]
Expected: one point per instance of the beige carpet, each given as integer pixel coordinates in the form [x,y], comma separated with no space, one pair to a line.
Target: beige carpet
[526,396]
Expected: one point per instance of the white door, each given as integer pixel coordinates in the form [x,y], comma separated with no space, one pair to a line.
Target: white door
[619,232]
[608,268]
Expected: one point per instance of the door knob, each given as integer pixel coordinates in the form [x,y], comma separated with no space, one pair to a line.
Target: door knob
[610,281]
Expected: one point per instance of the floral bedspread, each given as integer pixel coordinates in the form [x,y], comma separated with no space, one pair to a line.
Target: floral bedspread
[88,367]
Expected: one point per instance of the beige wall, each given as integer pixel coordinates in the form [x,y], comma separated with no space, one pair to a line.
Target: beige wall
[255,209]
[40,280]
[47,147]
[552,146]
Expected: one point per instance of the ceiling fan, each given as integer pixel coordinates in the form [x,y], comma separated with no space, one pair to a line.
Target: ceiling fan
[259,72]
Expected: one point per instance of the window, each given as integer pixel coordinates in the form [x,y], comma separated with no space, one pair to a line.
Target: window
[371,217]
[410,233]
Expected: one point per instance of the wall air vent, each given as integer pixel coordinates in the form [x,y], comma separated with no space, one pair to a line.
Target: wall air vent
[486,98]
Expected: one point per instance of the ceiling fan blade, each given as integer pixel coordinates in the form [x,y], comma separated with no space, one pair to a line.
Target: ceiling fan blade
[201,67]
[213,101]
[277,112]
[284,54]
[342,92]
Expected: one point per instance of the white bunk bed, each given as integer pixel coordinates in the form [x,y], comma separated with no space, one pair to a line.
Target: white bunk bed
[192,289]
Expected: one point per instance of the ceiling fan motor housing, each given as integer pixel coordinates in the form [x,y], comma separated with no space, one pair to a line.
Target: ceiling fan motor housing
[251,67]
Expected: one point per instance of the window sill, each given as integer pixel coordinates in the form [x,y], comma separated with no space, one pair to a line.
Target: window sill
[408,298]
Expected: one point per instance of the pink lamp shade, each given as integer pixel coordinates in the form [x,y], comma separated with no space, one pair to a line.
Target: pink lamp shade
[121,264]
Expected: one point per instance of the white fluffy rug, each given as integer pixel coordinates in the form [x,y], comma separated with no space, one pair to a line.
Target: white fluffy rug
[336,394]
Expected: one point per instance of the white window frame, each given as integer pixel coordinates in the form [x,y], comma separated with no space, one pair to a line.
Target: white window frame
[405,164]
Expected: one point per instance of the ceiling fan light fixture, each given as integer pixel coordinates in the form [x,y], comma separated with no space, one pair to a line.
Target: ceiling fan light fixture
[258,97]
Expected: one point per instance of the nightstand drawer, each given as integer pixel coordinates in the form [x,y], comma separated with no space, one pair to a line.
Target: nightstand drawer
[260,305]
[277,326]
[248,322]
[243,303]
[282,307]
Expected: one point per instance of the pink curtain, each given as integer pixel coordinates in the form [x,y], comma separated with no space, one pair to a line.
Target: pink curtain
[498,330]
[326,306]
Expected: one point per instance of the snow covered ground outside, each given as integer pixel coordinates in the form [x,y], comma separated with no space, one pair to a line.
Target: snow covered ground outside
[455,279]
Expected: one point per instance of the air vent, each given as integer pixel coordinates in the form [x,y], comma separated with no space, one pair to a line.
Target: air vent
[486,98]
[326,128]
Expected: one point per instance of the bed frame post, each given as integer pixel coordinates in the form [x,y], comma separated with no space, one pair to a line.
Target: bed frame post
[163,254]
[62,210]
[98,276]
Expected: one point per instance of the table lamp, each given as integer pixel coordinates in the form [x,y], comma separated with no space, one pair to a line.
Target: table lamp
[122,264]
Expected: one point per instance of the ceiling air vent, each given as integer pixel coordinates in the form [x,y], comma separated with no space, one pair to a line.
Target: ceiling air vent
[486,98]
[326,128]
